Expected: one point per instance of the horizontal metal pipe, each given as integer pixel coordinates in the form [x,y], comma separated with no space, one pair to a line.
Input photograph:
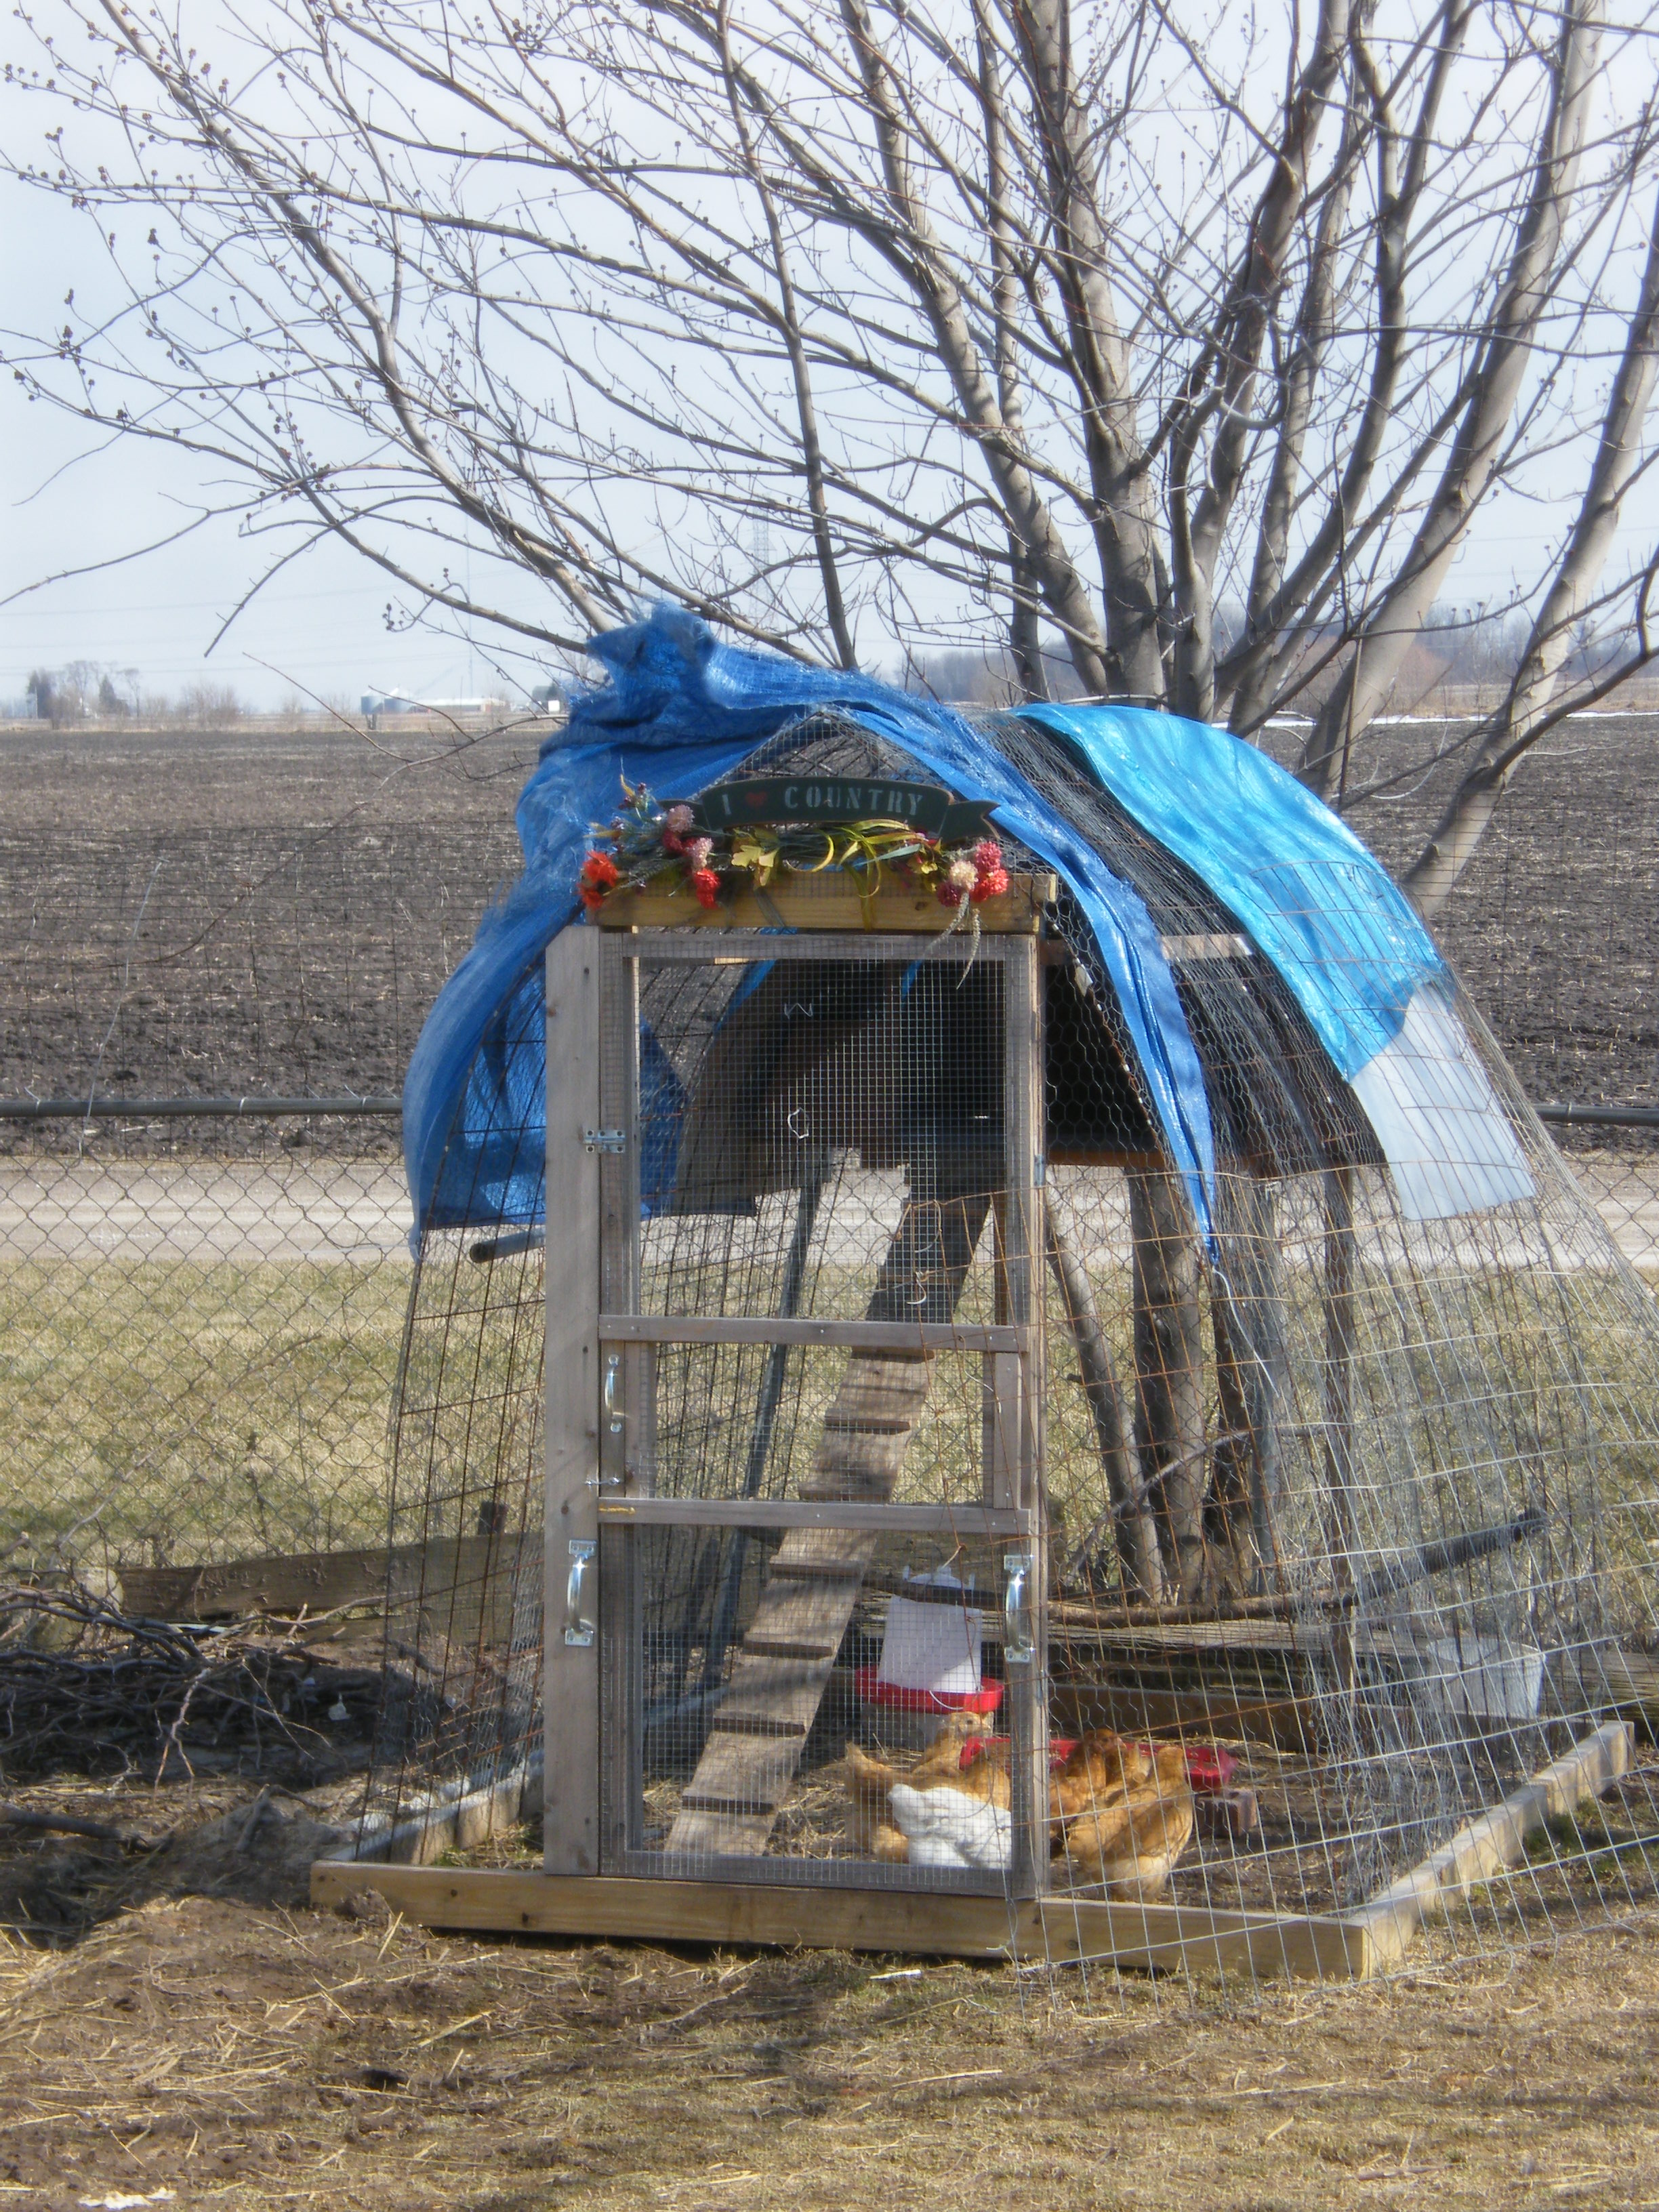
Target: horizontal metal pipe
[1606,1118]
[176,1109]
[489,1249]
[156,1109]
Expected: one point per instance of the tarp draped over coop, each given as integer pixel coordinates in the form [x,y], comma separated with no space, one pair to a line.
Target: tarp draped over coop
[1354,955]
[681,711]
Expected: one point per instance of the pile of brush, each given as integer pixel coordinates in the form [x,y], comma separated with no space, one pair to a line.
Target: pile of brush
[86,1687]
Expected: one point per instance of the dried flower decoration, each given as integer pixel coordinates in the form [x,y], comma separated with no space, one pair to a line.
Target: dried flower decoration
[663,847]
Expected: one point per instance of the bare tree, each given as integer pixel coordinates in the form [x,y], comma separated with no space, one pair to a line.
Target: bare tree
[1186,349]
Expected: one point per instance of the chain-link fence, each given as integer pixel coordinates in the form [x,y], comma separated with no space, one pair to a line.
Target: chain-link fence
[1614,1152]
[200,1326]
[201,1317]
[201,1313]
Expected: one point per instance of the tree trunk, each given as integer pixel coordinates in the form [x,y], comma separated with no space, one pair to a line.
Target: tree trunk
[1618,463]
[1393,627]
[1169,1439]
[1133,1525]
[1247,1309]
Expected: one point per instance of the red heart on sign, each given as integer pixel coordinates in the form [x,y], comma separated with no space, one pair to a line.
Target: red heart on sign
[755,799]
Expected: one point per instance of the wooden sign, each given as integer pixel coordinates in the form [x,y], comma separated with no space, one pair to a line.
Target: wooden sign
[926,808]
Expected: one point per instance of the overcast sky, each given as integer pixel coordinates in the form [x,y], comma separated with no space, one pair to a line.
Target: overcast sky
[319,629]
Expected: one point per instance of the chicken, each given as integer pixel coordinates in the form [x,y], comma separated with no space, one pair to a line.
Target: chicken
[1121,1813]
[948,1827]
[1125,1813]
[869,1829]
[870,1783]
[1099,1770]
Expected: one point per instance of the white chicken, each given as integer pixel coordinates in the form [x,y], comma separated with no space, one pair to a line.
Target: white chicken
[947,1828]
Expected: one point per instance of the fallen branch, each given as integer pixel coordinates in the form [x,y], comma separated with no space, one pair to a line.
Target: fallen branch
[59,1824]
[83,1683]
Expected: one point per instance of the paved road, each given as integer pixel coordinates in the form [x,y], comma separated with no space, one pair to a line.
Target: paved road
[360,1212]
[348,1210]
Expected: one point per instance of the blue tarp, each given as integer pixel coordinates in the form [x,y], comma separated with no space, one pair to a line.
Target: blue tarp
[1314,901]
[681,711]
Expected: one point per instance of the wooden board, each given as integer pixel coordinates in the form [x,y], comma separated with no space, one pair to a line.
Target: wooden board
[1059,1929]
[462,1587]
[571,1671]
[906,1339]
[1288,1723]
[965,1522]
[1490,1845]
[829,902]
[461,1823]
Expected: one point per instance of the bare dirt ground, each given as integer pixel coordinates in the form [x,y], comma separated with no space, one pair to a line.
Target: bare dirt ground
[1555,926]
[186,913]
[261,910]
[212,2037]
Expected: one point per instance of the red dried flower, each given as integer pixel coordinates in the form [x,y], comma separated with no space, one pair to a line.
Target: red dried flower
[992,884]
[706,886]
[589,897]
[671,843]
[986,855]
[600,872]
[949,894]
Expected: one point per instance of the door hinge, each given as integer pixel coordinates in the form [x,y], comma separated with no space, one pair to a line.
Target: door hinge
[603,1140]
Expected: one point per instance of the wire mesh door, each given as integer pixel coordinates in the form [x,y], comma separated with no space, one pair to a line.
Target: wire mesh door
[818,1541]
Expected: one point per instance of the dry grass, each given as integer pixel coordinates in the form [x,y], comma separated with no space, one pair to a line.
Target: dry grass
[186,1412]
[258,2057]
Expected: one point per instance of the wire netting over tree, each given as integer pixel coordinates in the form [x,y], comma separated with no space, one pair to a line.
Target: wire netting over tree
[1344,1498]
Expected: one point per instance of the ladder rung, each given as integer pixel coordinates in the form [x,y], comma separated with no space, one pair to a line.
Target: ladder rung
[730,1723]
[757,1808]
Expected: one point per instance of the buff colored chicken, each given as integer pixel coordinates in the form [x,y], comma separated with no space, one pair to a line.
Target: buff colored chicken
[1121,1813]
[1124,1812]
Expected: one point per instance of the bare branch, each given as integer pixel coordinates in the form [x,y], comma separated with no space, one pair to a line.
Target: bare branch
[1525,715]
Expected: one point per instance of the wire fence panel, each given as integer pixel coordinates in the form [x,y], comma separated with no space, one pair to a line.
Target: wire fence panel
[1618,1169]
[200,1317]
[200,1341]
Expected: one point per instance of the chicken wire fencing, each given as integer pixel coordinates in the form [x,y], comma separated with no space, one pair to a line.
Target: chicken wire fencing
[1347,1520]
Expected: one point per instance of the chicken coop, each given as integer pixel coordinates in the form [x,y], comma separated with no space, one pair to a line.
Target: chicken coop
[997,1365]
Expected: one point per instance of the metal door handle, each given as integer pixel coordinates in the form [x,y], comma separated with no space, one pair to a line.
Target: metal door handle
[1016,1643]
[612,1392]
[578,1628]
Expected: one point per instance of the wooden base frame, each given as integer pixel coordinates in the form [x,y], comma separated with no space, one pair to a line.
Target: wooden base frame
[1057,1930]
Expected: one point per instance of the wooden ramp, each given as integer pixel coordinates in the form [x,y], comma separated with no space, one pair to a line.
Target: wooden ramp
[756,1739]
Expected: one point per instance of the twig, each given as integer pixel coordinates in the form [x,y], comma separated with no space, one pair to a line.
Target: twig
[59,1824]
